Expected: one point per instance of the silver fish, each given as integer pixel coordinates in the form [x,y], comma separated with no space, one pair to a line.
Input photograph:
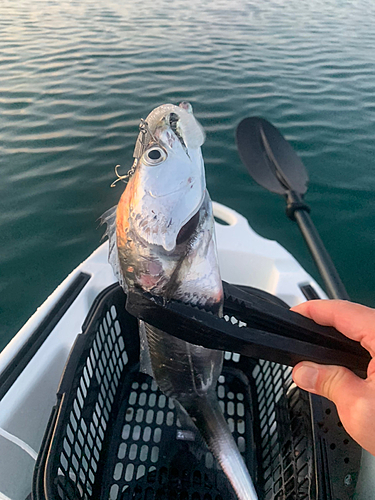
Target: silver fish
[162,240]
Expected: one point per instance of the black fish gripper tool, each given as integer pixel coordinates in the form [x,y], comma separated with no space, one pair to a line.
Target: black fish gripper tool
[264,328]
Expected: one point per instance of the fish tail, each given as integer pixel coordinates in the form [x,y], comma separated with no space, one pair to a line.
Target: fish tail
[210,421]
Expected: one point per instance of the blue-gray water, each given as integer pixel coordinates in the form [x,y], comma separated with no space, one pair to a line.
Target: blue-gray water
[77,76]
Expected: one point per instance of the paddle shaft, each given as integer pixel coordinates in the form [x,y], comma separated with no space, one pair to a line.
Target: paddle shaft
[334,286]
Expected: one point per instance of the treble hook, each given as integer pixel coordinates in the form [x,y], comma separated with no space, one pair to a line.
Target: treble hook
[124,178]
[144,131]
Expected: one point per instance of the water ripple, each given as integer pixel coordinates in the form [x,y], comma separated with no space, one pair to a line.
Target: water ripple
[77,76]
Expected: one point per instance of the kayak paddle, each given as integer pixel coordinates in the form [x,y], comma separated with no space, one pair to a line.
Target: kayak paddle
[273,163]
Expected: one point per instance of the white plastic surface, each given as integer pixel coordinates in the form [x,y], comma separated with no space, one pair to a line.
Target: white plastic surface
[248,259]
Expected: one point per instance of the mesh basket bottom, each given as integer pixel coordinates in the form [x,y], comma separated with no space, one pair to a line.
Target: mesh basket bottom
[150,456]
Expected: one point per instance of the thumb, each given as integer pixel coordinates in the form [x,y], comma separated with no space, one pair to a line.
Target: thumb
[353,397]
[336,383]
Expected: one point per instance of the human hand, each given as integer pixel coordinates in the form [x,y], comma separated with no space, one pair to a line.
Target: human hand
[353,396]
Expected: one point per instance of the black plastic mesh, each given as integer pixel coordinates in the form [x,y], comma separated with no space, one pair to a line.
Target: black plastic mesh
[153,457]
[113,435]
[82,440]
[286,447]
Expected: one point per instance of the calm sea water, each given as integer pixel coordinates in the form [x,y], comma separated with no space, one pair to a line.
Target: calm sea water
[77,76]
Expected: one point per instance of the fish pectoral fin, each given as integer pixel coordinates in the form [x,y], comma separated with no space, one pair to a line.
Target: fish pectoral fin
[109,217]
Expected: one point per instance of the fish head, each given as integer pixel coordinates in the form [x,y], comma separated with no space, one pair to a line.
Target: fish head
[169,183]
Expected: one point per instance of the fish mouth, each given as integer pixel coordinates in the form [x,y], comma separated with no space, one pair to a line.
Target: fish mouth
[173,124]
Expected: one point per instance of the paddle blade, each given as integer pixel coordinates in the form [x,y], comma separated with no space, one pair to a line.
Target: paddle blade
[269,157]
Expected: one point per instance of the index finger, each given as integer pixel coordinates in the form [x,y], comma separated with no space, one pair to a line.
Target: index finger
[353,320]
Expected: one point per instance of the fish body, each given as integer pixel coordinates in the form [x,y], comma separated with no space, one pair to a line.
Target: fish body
[162,240]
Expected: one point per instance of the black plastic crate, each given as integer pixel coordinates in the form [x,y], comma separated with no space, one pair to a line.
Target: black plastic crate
[113,435]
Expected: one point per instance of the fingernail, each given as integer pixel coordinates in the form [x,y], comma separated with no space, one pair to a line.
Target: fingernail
[306,377]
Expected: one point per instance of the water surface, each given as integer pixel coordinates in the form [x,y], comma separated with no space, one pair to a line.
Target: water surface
[77,76]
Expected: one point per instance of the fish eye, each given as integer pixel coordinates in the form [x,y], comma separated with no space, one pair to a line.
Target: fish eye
[154,156]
